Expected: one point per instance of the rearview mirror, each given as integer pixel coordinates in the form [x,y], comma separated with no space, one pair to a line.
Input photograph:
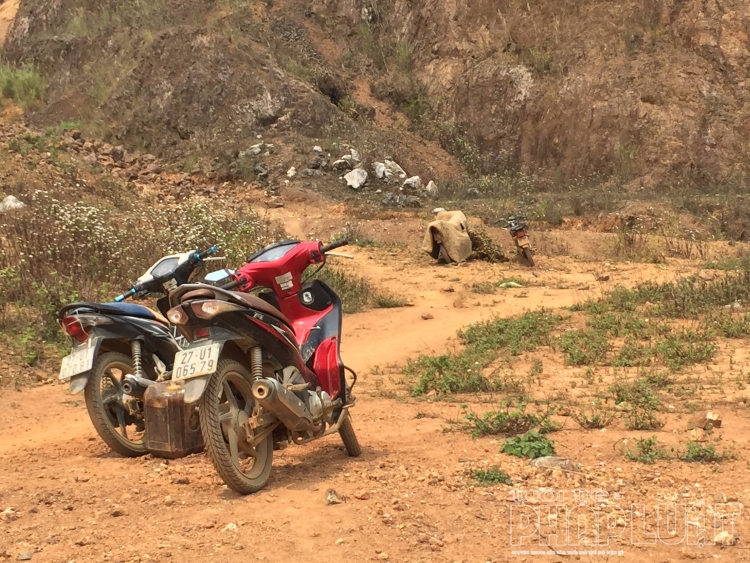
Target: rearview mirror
[218,275]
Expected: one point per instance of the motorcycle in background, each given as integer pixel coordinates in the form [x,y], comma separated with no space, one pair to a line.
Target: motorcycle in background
[119,349]
[518,230]
[266,368]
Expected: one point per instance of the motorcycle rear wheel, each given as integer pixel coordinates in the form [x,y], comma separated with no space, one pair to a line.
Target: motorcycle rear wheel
[227,400]
[346,431]
[102,393]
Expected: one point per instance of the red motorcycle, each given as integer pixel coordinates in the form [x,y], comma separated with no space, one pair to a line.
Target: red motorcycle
[265,367]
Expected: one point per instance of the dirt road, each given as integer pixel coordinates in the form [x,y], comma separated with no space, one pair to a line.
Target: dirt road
[408,498]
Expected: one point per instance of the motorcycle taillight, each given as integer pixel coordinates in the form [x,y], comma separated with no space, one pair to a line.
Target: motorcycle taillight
[520,234]
[73,327]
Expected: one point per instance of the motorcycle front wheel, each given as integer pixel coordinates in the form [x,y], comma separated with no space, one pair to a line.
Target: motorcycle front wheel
[527,256]
[225,407]
[120,430]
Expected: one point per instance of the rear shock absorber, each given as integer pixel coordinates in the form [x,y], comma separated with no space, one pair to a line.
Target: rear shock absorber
[136,352]
[256,362]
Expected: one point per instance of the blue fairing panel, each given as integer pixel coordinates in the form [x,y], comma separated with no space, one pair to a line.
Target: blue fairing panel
[128,309]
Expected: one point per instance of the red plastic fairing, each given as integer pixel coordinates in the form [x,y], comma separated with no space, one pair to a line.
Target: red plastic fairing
[327,367]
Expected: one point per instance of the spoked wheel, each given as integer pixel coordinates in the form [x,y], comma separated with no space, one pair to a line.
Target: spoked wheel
[227,405]
[123,432]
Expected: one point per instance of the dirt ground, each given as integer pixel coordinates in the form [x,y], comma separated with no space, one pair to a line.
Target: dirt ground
[65,498]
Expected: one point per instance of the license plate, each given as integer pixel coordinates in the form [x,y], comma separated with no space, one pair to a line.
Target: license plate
[79,361]
[523,242]
[195,362]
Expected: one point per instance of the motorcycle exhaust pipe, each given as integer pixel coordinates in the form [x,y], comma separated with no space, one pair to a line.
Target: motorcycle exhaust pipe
[135,386]
[287,407]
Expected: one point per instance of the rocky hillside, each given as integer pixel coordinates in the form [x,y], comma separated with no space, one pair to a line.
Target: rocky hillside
[644,91]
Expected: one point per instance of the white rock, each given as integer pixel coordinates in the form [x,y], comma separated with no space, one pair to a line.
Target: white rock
[292,172]
[254,150]
[231,527]
[413,184]
[11,202]
[395,169]
[380,169]
[431,188]
[355,155]
[438,210]
[316,148]
[356,178]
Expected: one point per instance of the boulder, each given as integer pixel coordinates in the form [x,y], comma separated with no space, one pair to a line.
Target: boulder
[254,150]
[401,200]
[261,172]
[10,203]
[431,189]
[342,164]
[705,420]
[317,148]
[355,155]
[380,170]
[395,169]
[318,163]
[356,178]
[554,461]
[292,172]
[412,185]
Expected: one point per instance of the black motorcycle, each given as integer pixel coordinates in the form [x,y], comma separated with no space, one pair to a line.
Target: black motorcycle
[119,349]
[518,230]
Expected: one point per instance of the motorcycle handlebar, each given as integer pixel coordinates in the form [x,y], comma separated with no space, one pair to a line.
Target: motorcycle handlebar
[333,245]
[230,285]
[201,255]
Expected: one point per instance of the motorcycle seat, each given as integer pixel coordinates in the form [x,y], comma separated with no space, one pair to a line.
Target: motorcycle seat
[255,302]
[126,309]
[248,299]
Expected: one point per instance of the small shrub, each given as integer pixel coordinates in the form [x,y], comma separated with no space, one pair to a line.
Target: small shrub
[647,451]
[519,334]
[597,416]
[357,294]
[704,453]
[730,326]
[484,342]
[633,354]
[509,420]
[22,85]
[450,373]
[530,445]
[483,288]
[686,348]
[639,402]
[584,347]
[491,476]
[382,301]
[55,252]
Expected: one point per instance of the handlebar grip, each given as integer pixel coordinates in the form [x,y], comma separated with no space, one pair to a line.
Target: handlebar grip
[335,244]
[230,285]
[125,295]
[209,252]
